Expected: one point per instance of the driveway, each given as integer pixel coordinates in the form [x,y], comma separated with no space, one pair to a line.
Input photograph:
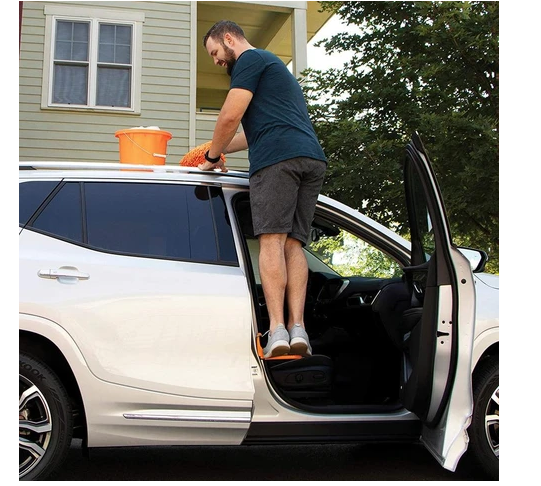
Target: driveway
[340,462]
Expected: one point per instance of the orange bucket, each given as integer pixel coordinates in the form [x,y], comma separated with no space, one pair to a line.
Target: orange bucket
[143,146]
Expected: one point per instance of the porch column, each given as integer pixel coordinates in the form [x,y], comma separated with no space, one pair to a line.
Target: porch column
[299,41]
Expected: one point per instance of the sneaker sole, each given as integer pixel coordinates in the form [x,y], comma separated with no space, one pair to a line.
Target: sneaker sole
[300,347]
[279,348]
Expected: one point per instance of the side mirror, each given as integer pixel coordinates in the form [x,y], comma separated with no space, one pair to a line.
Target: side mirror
[477,258]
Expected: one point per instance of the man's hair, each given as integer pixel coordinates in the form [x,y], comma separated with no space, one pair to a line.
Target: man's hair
[219,29]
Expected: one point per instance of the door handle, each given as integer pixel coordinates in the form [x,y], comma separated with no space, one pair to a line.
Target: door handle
[70,273]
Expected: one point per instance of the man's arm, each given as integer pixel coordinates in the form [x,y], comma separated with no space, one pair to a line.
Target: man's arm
[237,144]
[235,105]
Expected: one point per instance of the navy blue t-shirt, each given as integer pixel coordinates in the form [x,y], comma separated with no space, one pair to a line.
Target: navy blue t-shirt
[276,123]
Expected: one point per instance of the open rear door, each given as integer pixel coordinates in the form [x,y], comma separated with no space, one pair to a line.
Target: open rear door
[437,375]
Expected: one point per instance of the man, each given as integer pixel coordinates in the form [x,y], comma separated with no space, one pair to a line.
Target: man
[287,167]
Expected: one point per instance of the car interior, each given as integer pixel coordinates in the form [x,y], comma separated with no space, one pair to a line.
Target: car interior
[358,320]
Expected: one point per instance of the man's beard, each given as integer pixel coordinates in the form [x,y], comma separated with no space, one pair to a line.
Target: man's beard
[229,58]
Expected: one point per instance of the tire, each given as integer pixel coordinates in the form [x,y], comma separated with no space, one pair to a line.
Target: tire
[484,430]
[45,420]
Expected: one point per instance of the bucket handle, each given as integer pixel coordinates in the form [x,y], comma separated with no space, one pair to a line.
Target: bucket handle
[142,148]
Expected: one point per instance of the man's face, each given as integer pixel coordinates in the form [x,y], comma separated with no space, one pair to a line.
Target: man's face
[221,54]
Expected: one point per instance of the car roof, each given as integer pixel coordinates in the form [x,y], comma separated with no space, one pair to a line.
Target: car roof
[102,170]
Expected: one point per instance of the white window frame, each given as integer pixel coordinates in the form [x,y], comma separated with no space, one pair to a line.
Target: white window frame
[95,16]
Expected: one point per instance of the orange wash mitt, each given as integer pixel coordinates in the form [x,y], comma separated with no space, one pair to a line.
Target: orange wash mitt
[196,156]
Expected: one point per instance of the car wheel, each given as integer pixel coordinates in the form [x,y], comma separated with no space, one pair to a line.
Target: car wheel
[484,430]
[45,419]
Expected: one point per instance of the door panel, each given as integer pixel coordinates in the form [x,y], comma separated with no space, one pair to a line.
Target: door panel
[145,322]
[437,386]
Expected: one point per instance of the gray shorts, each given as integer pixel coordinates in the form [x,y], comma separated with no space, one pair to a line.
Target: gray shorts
[283,197]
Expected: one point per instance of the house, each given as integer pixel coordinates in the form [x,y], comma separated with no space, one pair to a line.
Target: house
[89,69]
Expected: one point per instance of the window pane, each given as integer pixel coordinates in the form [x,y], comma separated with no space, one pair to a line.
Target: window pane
[107,34]
[226,243]
[202,237]
[70,84]
[64,31]
[72,40]
[79,52]
[123,54]
[159,220]
[114,87]
[107,52]
[424,232]
[63,50]
[123,35]
[62,216]
[31,195]
[80,32]
[348,255]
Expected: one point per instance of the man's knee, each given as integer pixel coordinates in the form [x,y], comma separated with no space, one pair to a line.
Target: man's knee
[272,240]
[292,245]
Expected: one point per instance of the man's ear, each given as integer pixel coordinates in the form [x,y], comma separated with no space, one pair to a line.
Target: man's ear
[228,39]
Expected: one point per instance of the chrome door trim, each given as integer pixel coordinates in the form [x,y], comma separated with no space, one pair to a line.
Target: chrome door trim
[238,416]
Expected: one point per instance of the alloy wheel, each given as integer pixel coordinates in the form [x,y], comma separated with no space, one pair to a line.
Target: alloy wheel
[492,422]
[35,426]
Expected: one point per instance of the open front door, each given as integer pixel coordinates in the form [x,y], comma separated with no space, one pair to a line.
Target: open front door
[437,375]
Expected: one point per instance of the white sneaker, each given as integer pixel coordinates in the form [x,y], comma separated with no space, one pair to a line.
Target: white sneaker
[278,343]
[299,343]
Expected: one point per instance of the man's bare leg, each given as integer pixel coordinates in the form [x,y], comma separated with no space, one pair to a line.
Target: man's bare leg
[273,271]
[297,280]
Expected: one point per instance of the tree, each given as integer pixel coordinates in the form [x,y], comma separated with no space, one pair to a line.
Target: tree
[430,67]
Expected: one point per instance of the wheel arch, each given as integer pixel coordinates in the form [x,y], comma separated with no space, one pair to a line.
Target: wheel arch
[492,352]
[46,351]
[486,345]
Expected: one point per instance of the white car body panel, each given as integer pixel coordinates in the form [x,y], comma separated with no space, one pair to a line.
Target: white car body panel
[487,320]
[176,418]
[159,332]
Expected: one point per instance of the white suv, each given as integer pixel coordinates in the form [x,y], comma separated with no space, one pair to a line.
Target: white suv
[142,320]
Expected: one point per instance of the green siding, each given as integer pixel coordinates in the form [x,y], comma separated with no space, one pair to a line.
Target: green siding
[89,136]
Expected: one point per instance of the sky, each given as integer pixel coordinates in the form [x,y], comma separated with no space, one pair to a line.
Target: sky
[316,56]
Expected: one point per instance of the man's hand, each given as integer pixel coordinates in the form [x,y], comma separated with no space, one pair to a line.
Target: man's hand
[207,166]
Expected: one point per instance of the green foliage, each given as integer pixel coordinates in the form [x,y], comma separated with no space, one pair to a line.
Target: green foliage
[430,67]
[350,256]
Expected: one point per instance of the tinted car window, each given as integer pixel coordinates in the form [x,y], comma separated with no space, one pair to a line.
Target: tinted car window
[31,195]
[62,216]
[226,244]
[156,220]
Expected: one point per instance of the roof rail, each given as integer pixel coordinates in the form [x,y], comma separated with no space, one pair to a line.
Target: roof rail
[168,168]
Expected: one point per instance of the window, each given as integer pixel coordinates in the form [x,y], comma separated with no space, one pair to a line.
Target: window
[422,230]
[31,196]
[93,59]
[62,216]
[348,255]
[173,221]
[226,244]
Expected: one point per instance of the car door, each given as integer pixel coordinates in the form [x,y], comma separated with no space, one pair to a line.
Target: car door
[437,377]
[144,278]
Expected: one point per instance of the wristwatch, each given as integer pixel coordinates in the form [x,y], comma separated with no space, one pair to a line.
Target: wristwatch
[212,161]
